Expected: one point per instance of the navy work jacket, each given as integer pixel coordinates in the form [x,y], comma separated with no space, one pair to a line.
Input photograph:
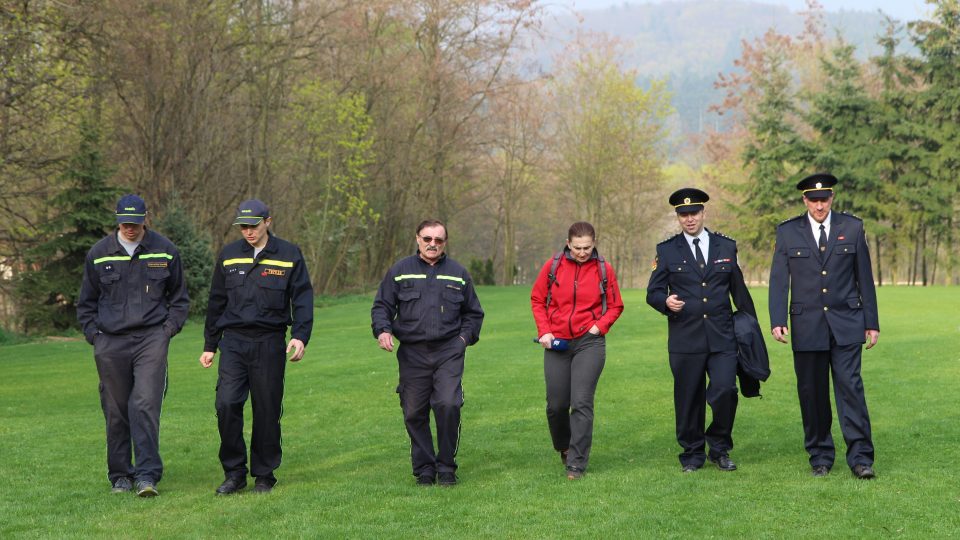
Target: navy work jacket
[417,302]
[121,293]
[263,294]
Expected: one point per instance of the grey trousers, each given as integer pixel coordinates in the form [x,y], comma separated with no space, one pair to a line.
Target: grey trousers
[571,377]
[133,381]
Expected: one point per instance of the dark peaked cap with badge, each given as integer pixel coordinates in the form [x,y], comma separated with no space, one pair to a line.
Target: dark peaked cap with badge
[817,186]
[688,200]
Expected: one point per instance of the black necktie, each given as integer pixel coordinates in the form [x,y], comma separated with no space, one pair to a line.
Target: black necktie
[823,238]
[696,247]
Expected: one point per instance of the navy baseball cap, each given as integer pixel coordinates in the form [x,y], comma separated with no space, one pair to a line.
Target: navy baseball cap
[251,212]
[688,200]
[817,186]
[131,209]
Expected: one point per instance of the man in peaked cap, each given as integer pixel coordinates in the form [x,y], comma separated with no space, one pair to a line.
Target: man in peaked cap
[258,282]
[694,276]
[822,262]
[133,299]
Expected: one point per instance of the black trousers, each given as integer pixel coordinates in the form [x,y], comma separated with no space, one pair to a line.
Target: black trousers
[251,364]
[813,370]
[430,379]
[133,381]
[690,399]
[571,378]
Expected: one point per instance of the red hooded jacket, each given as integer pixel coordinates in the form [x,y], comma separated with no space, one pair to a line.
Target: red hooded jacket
[575,304]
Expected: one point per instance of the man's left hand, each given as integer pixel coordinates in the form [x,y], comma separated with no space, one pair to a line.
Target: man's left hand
[298,349]
[872,337]
[595,330]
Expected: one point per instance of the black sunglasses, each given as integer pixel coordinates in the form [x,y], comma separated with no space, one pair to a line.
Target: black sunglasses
[437,240]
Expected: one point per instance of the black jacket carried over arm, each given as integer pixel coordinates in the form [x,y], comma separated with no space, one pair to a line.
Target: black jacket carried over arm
[418,302]
[268,293]
[121,293]
[753,363]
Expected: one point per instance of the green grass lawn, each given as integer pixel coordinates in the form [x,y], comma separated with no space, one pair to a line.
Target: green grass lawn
[346,469]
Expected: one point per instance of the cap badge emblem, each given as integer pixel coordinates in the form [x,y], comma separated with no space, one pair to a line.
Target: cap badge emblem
[686,200]
[819,185]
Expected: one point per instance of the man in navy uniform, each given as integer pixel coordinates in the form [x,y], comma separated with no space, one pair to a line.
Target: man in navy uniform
[428,302]
[694,276]
[821,259]
[133,299]
[258,282]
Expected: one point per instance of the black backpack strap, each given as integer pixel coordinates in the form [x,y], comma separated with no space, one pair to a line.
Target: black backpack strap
[552,276]
[603,284]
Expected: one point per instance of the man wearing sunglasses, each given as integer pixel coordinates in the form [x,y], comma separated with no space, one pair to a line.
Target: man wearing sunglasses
[428,302]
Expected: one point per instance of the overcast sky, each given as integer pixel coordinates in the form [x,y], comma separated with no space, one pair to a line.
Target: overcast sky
[905,10]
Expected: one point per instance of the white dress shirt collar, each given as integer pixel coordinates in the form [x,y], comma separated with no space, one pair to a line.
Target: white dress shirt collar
[815,227]
[704,237]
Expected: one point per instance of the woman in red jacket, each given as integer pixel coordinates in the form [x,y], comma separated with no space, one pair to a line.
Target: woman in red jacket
[575,301]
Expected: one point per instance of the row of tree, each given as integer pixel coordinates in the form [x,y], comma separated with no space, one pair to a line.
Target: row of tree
[356,119]
[352,119]
[886,127]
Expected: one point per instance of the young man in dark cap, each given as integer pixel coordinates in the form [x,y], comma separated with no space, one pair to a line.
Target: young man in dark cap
[133,299]
[821,259]
[258,282]
[694,276]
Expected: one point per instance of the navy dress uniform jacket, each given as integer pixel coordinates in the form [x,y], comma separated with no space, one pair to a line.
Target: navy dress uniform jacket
[120,293]
[259,293]
[705,324]
[418,302]
[830,293]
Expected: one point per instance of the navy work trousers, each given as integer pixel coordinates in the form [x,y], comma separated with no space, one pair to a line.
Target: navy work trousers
[430,379]
[133,381]
[251,364]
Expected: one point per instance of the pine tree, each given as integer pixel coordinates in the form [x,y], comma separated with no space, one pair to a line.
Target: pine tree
[47,291]
[195,252]
[775,155]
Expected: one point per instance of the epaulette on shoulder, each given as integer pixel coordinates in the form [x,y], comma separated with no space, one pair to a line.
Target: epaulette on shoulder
[721,235]
[788,220]
[669,238]
[858,218]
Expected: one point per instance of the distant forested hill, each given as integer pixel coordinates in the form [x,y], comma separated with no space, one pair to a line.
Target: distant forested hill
[689,43]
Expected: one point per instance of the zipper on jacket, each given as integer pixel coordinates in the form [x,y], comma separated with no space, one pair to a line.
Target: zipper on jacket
[573,309]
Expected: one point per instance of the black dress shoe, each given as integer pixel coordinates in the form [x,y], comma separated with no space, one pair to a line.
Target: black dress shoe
[691,468]
[863,472]
[724,463]
[820,470]
[231,485]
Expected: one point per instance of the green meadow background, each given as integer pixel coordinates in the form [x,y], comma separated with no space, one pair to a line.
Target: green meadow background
[346,470]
